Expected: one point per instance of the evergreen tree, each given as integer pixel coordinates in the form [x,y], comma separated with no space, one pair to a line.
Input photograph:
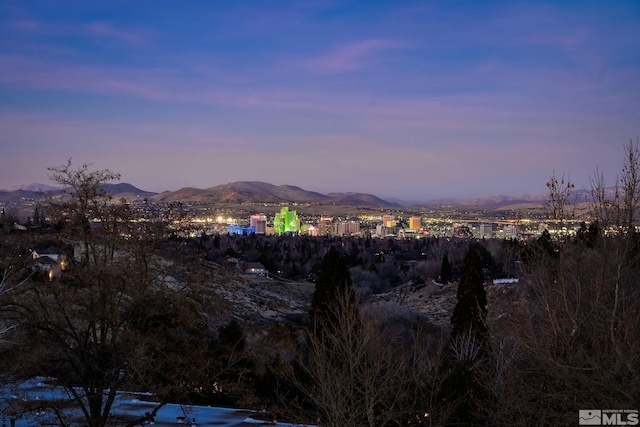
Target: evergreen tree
[545,244]
[462,386]
[471,309]
[332,285]
[4,222]
[445,270]
[588,236]
[489,266]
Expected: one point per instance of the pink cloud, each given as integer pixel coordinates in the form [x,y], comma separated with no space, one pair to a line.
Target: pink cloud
[351,56]
[37,73]
[464,113]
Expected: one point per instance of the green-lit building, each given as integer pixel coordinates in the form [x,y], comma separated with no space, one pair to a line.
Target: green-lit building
[286,221]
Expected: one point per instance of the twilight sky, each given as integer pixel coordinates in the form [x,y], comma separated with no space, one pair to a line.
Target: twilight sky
[409,99]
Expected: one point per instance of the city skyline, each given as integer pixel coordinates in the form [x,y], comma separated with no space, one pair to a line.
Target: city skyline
[410,100]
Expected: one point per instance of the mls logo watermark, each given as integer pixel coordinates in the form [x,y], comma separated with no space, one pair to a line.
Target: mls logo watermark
[608,417]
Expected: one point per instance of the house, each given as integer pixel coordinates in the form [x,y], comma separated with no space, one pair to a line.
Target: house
[245,266]
[49,258]
[50,252]
[53,253]
[48,266]
[254,268]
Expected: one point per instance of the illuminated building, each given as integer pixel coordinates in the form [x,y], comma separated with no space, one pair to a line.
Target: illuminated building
[286,221]
[345,228]
[486,230]
[324,226]
[259,223]
[308,230]
[238,230]
[510,231]
[414,223]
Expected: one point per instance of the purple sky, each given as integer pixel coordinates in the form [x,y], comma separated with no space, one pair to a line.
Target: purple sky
[414,100]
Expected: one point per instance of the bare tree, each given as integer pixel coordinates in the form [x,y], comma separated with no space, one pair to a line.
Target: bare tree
[85,200]
[616,214]
[604,208]
[106,335]
[123,317]
[567,328]
[358,374]
[571,320]
[618,208]
[561,321]
[558,204]
[630,182]
[5,286]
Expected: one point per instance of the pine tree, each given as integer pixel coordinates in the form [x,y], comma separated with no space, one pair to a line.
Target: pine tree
[445,270]
[469,352]
[332,286]
[471,309]
[4,220]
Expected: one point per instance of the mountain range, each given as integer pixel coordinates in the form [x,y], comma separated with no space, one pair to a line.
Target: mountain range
[239,192]
[246,192]
[262,192]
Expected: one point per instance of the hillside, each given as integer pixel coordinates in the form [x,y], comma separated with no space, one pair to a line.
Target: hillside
[256,192]
[260,301]
[34,187]
[35,191]
[126,191]
[246,192]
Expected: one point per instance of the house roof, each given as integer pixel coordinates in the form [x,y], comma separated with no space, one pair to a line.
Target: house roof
[50,250]
[45,260]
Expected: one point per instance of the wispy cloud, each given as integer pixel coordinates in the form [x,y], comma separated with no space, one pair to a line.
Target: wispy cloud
[130,36]
[351,56]
[24,25]
[26,72]
[97,30]
[568,39]
[467,114]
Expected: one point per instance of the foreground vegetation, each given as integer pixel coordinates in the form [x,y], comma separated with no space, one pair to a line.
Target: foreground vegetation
[134,309]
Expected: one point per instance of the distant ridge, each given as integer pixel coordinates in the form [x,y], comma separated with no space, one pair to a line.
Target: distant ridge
[34,188]
[578,196]
[240,192]
[34,191]
[359,199]
[248,192]
[126,191]
[502,200]
[499,202]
